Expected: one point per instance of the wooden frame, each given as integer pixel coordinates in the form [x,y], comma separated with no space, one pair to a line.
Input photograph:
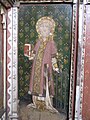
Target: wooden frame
[12,63]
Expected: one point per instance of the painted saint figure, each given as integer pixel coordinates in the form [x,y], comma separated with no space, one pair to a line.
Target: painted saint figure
[44,60]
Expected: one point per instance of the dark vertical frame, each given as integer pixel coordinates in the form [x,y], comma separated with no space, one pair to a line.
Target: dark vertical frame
[1,56]
[75,59]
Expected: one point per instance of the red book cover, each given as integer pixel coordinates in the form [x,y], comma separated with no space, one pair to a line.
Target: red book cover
[27,49]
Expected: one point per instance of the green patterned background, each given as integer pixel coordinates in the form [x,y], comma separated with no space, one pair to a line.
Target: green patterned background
[28,16]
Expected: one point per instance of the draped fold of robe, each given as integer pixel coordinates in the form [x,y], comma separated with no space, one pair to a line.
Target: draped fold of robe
[44,51]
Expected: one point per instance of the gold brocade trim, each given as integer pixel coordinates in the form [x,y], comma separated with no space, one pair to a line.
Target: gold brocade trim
[38,65]
[40,105]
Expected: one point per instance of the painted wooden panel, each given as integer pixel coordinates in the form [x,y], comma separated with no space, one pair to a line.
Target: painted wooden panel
[12,62]
[28,16]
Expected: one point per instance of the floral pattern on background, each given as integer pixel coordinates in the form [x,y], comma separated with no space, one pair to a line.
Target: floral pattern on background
[28,16]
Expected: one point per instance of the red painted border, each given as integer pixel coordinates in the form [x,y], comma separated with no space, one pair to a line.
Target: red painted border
[86,87]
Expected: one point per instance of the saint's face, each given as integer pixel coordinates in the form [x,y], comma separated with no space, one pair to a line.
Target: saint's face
[44,29]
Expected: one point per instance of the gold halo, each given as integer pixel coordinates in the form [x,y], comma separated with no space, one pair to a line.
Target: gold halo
[42,20]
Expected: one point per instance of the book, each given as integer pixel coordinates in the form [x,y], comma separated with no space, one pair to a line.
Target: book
[27,50]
